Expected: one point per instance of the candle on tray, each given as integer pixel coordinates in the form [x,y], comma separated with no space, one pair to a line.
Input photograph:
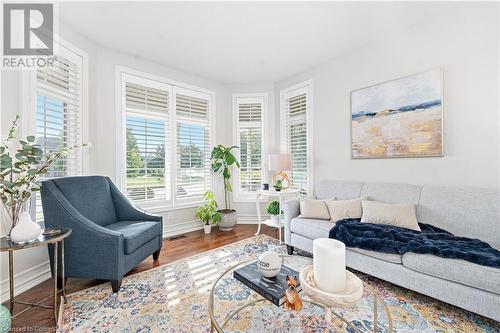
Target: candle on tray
[329,264]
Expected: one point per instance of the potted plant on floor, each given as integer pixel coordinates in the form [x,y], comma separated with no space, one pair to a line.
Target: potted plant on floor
[273,209]
[208,212]
[222,161]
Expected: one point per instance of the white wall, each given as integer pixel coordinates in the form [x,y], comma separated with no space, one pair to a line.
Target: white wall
[466,45]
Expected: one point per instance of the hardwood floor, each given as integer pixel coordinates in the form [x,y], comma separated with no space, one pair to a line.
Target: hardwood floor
[40,320]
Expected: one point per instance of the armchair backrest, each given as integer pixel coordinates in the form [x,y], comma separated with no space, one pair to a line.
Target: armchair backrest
[90,195]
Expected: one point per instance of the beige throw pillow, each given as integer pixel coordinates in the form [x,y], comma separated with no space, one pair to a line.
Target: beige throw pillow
[314,209]
[399,215]
[344,209]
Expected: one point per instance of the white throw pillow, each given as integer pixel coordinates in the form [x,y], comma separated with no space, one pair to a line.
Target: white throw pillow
[314,209]
[344,209]
[399,215]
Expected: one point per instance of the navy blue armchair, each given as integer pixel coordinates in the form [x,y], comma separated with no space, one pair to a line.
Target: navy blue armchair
[110,235]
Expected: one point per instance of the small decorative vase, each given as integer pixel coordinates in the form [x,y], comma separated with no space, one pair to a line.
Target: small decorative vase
[26,230]
[269,264]
[207,228]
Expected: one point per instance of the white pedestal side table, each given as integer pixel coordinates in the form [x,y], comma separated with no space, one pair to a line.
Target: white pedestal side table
[282,196]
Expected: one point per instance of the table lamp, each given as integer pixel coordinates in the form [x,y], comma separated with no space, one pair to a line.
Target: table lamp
[281,163]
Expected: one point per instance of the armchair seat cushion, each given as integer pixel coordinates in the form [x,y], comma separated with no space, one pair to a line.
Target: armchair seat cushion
[136,233]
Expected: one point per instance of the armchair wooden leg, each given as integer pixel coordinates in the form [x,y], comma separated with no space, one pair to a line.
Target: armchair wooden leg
[289,249]
[116,284]
[156,255]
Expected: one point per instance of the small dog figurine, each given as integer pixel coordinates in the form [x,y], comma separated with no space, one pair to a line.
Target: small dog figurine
[292,299]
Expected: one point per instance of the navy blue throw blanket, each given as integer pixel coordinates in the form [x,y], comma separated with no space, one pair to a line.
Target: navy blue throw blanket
[432,240]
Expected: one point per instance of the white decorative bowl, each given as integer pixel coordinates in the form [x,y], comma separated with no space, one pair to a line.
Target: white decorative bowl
[352,292]
[269,264]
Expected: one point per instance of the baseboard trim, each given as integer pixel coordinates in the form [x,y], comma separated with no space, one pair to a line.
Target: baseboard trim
[250,218]
[170,230]
[26,279]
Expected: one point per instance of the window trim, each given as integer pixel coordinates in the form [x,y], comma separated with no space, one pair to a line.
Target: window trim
[260,97]
[28,96]
[295,90]
[157,205]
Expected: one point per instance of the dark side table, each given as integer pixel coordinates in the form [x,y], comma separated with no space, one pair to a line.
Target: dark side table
[55,239]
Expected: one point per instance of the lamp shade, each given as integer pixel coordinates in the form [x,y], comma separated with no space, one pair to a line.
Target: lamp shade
[280,162]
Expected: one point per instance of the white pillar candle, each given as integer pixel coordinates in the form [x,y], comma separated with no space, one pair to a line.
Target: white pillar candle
[329,264]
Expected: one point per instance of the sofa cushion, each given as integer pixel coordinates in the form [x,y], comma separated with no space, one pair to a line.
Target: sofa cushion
[311,228]
[136,233]
[463,211]
[456,270]
[314,209]
[344,209]
[399,215]
[389,257]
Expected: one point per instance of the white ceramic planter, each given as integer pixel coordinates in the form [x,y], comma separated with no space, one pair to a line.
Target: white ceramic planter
[25,230]
[207,228]
[228,219]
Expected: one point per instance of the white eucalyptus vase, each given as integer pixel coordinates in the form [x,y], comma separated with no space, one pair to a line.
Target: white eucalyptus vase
[26,230]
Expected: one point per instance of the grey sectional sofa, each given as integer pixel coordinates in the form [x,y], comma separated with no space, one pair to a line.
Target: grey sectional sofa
[468,212]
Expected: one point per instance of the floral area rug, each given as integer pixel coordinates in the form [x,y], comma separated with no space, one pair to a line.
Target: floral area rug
[174,298]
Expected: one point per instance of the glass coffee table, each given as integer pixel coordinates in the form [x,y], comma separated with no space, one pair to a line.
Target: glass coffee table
[233,307]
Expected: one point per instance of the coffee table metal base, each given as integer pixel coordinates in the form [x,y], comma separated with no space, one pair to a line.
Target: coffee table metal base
[219,328]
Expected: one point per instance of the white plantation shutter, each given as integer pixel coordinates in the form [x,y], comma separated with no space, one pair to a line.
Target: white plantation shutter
[146,98]
[250,113]
[58,114]
[192,145]
[296,143]
[147,119]
[58,108]
[250,142]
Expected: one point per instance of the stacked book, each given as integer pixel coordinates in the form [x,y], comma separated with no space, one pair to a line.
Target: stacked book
[273,289]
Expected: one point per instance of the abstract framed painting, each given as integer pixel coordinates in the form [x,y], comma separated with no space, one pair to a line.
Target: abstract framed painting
[399,118]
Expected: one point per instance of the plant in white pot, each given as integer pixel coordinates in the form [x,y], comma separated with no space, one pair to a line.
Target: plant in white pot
[273,209]
[222,161]
[22,163]
[208,212]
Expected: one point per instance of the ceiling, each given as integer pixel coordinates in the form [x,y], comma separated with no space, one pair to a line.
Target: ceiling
[243,42]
